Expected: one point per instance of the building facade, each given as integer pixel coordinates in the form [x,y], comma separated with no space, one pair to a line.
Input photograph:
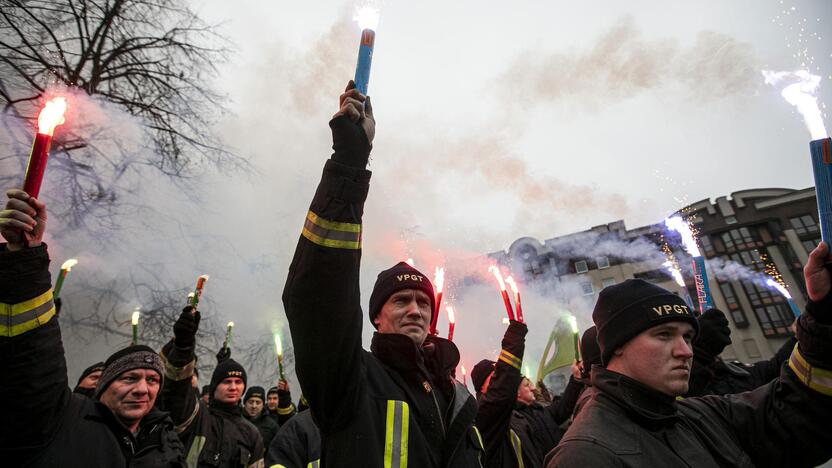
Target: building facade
[745,236]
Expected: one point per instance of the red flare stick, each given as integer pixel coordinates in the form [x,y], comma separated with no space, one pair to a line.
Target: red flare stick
[507,303]
[435,317]
[451,322]
[50,117]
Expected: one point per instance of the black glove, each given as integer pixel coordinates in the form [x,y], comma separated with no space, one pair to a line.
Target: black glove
[223,354]
[58,304]
[714,333]
[184,330]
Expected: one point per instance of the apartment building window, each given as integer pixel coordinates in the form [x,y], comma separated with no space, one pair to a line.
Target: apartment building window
[774,319]
[581,266]
[587,289]
[804,224]
[607,282]
[603,262]
[707,246]
[734,308]
[809,245]
[730,220]
[741,238]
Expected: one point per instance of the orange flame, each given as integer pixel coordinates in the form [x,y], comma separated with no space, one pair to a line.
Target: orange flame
[51,115]
[463,369]
[512,284]
[438,279]
[450,311]
[494,269]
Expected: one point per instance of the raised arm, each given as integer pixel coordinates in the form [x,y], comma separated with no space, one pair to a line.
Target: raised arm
[497,404]
[322,296]
[34,386]
[178,397]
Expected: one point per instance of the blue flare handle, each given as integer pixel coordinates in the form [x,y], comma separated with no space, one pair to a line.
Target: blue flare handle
[703,290]
[822,168]
[365,61]
[793,307]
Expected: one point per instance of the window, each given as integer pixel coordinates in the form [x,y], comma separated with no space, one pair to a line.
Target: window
[774,319]
[804,224]
[607,282]
[809,245]
[581,267]
[734,308]
[751,348]
[726,239]
[603,262]
[707,247]
[586,287]
[730,220]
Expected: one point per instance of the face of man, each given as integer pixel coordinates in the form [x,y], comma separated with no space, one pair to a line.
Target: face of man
[406,312]
[525,393]
[131,396]
[90,381]
[659,357]
[272,401]
[253,407]
[230,390]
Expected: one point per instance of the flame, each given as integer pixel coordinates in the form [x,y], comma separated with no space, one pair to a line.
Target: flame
[675,273]
[512,284]
[774,284]
[135,318]
[463,369]
[451,316]
[494,269]
[367,17]
[69,264]
[230,324]
[278,345]
[801,94]
[438,279]
[573,323]
[676,223]
[51,115]
[191,295]
[506,321]
[410,262]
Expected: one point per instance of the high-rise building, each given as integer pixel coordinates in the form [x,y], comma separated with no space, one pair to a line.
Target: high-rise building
[743,237]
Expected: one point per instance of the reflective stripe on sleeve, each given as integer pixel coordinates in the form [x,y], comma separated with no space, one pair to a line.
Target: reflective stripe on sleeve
[819,380]
[16,319]
[287,410]
[331,234]
[192,460]
[314,464]
[395,438]
[177,373]
[517,446]
[511,359]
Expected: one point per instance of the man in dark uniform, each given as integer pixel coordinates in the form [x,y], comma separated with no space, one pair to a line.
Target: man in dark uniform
[255,412]
[396,404]
[42,423]
[214,434]
[279,403]
[634,418]
[89,380]
[297,444]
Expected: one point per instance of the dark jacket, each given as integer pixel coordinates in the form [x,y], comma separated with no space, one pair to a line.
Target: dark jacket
[265,424]
[296,445]
[713,376]
[369,406]
[42,423]
[285,409]
[214,434]
[783,423]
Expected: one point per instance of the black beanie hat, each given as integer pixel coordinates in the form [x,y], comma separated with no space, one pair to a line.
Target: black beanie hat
[255,392]
[127,359]
[626,309]
[98,366]
[400,276]
[590,352]
[226,369]
[480,372]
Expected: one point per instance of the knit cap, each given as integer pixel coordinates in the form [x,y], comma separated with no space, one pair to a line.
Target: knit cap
[127,359]
[400,276]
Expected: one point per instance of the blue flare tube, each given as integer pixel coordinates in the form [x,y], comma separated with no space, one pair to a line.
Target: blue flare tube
[365,60]
[822,168]
[793,306]
[703,290]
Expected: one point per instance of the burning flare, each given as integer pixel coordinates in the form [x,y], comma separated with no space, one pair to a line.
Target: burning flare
[67,265]
[496,271]
[573,323]
[674,272]
[779,287]
[278,345]
[51,115]
[450,311]
[135,319]
[800,92]
[367,17]
[438,279]
[230,325]
[676,223]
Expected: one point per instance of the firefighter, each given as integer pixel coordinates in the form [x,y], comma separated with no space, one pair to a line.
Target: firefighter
[297,444]
[255,412]
[42,423]
[279,401]
[214,434]
[396,404]
[634,417]
[517,430]
[89,379]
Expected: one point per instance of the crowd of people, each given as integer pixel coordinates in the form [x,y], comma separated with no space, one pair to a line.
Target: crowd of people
[650,389]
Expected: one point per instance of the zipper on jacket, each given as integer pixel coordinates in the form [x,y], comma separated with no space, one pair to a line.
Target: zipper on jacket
[430,390]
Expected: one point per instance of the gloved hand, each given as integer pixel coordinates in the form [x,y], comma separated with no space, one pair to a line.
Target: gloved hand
[58,305]
[184,330]
[223,354]
[714,333]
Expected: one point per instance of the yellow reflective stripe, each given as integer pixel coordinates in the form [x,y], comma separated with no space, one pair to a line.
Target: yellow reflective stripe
[278,466]
[395,437]
[482,446]
[331,234]
[192,460]
[517,446]
[287,410]
[314,464]
[177,373]
[16,319]
[819,380]
[511,359]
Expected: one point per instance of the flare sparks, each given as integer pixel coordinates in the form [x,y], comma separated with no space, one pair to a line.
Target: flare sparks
[451,322]
[785,292]
[700,275]
[517,306]
[50,117]
[506,301]
[438,285]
